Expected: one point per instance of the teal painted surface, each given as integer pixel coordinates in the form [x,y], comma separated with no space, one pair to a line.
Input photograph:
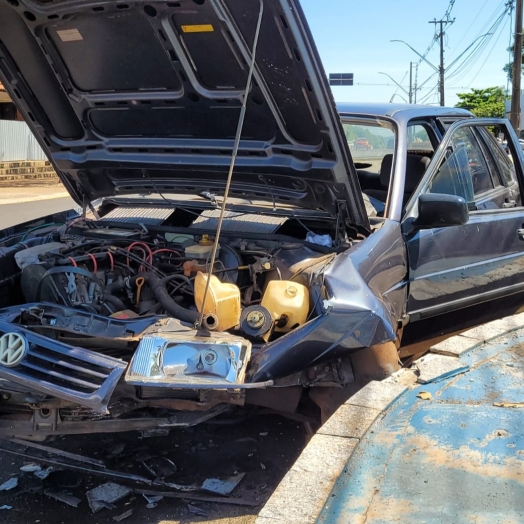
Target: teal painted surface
[455,459]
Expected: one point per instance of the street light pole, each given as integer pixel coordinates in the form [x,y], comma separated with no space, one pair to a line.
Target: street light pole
[399,85]
[411,82]
[517,69]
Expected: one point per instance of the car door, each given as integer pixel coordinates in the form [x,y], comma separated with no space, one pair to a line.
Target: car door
[456,266]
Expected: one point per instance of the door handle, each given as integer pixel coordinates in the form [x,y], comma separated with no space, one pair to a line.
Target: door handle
[520,234]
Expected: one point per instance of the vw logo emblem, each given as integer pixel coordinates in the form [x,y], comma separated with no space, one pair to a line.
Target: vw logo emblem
[13,347]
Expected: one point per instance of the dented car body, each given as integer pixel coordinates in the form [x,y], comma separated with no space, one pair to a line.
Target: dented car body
[225,254]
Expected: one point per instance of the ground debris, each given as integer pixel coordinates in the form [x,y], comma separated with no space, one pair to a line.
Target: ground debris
[31,468]
[200,498]
[44,473]
[509,404]
[152,500]
[105,495]
[160,467]
[63,496]
[425,395]
[9,484]
[196,511]
[5,506]
[222,487]
[120,518]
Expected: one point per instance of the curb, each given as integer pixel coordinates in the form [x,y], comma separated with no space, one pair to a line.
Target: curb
[303,492]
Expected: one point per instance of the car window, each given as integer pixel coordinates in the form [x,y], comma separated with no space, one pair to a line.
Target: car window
[369,144]
[506,169]
[464,172]
[418,139]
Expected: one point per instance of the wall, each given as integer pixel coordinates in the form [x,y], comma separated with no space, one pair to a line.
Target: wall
[18,143]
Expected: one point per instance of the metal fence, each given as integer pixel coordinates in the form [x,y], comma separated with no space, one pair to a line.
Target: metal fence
[18,143]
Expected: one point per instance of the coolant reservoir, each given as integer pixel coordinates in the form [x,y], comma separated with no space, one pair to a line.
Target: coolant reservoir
[223,300]
[286,300]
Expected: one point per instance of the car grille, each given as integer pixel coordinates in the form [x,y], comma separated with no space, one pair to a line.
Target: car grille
[64,371]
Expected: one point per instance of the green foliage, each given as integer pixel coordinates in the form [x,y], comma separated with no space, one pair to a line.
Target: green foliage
[508,68]
[484,102]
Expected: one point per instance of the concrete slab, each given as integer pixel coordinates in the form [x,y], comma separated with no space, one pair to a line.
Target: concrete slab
[495,329]
[455,346]
[349,421]
[377,395]
[302,493]
[438,367]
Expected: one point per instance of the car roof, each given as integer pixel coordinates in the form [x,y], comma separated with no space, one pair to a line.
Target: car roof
[400,112]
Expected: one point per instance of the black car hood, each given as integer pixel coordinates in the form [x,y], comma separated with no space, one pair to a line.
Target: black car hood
[146,96]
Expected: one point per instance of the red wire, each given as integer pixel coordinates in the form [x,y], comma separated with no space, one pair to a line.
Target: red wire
[95,265]
[147,248]
[73,261]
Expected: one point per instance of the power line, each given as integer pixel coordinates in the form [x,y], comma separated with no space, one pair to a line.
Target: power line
[463,68]
[488,55]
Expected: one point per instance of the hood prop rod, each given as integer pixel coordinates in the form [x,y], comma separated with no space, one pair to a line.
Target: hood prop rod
[236,144]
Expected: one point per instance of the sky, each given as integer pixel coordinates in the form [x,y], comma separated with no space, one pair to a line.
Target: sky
[355,37]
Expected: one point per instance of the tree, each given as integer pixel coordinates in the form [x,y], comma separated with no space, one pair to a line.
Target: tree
[484,102]
[508,68]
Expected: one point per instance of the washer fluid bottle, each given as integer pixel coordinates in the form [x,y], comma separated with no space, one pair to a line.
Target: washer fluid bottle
[223,300]
[288,303]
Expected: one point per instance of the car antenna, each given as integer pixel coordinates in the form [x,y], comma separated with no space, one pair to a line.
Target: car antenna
[236,144]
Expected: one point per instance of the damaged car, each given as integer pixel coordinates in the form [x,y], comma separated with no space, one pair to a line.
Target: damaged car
[224,254]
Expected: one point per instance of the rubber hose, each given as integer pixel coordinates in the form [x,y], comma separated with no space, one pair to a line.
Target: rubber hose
[159,289]
[114,301]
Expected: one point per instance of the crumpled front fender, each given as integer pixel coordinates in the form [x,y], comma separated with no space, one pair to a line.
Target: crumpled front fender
[353,318]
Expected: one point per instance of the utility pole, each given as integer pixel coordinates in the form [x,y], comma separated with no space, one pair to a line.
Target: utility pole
[442,24]
[517,69]
[411,82]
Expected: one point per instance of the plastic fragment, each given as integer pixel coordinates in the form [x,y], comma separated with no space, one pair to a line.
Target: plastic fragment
[31,468]
[9,484]
[42,474]
[120,518]
[222,487]
[506,405]
[63,496]
[105,495]
[196,511]
[152,500]
[5,506]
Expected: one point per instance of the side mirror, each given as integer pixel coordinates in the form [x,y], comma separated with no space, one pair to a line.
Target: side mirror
[438,210]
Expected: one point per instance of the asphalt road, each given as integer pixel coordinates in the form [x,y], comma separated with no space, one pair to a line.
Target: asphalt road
[12,214]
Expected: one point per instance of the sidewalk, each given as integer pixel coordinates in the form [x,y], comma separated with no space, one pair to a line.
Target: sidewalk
[448,450]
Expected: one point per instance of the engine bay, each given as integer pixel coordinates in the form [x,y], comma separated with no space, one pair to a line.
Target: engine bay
[117,314]
[258,288]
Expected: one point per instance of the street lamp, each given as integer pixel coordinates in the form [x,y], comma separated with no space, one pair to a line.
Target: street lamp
[396,83]
[417,53]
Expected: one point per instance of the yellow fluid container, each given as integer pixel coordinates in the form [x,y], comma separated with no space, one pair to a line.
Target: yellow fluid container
[283,297]
[223,300]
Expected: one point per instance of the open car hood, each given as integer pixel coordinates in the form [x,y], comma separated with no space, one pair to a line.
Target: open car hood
[146,96]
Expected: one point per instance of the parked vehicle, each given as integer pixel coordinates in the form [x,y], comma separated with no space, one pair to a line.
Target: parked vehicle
[362,143]
[138,313]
